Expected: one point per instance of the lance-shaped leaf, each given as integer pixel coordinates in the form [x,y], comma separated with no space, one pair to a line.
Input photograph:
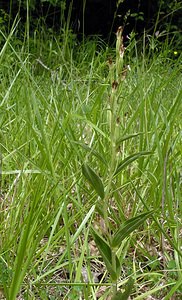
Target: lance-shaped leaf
[92,152]
[128,227]
[127,137]
[107,255]
[93,179]
[128,160]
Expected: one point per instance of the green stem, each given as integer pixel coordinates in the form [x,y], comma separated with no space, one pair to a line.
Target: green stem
[114,286]
[113,159]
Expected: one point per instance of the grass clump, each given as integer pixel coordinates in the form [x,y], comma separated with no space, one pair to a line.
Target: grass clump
[90,152]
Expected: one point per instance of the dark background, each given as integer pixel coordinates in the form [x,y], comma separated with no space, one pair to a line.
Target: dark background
[96,17]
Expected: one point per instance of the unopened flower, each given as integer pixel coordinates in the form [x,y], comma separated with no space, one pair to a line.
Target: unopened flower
[121,50]
[114,85]
[119,31]
[110,62]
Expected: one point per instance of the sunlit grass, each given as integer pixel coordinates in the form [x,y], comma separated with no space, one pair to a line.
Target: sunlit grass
[53,118]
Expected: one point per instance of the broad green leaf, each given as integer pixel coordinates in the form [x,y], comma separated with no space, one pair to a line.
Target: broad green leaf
[128,227]
[106,253]
[128,160]
[93,179]
[128,290]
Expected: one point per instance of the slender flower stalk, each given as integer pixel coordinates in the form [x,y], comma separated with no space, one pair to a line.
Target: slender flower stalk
[115,76]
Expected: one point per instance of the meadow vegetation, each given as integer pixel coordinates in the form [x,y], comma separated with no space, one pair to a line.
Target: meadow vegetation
[90,203]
